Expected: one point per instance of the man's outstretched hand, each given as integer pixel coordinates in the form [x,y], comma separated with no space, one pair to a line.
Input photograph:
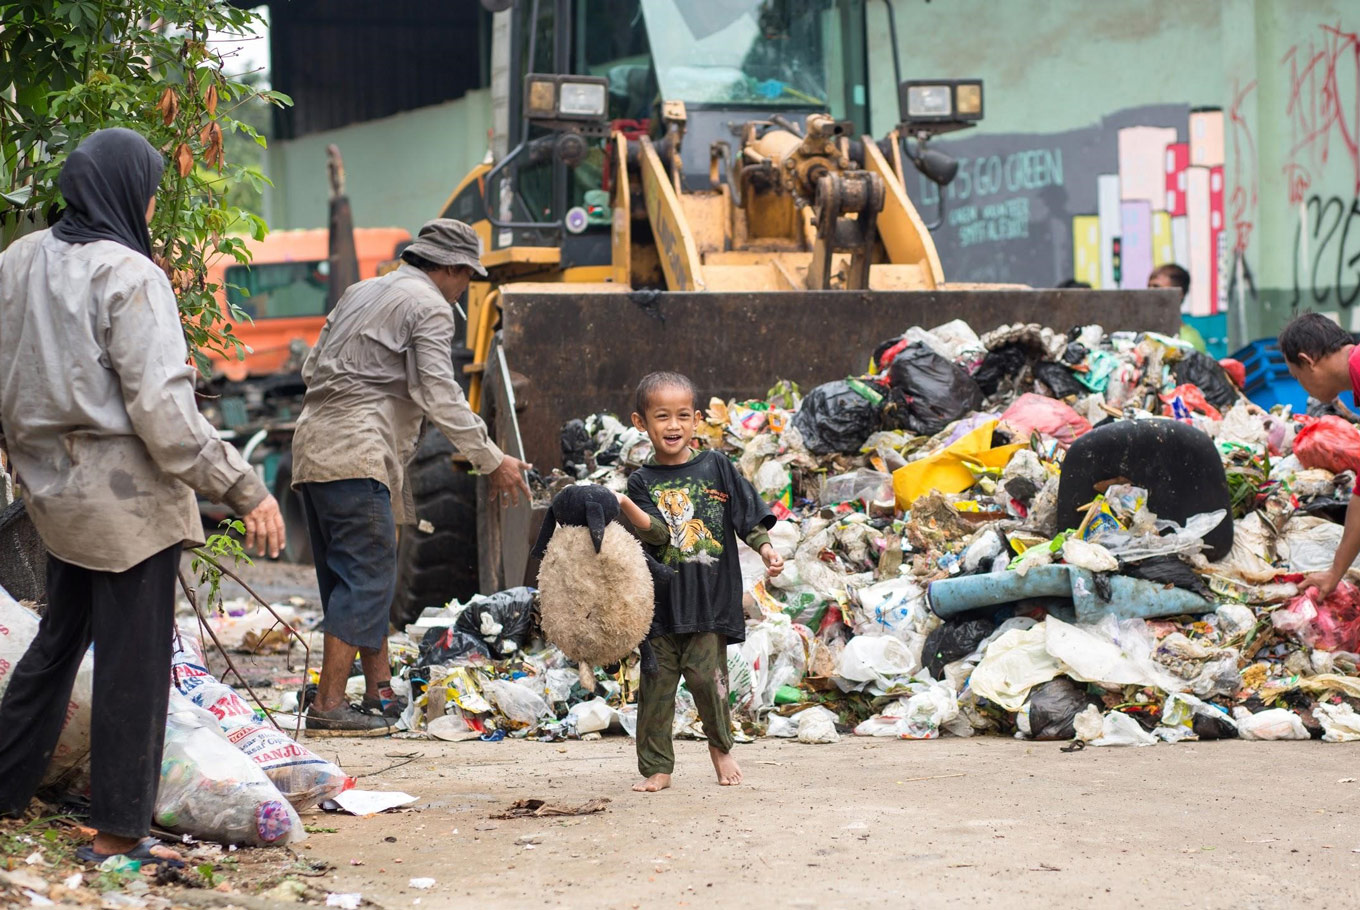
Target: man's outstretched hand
[264,528]
[507,481]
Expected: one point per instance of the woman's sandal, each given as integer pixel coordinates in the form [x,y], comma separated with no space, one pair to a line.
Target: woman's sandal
[140,853]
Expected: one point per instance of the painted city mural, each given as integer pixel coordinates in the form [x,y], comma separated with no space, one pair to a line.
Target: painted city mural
[1106,204]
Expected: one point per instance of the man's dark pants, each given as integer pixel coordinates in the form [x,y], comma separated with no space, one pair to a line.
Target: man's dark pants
[354,546]
[129,616]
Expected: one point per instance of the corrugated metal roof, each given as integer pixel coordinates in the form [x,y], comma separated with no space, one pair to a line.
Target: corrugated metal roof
[348,61]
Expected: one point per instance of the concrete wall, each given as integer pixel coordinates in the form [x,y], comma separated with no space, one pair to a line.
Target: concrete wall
[1220,134]
[399,169]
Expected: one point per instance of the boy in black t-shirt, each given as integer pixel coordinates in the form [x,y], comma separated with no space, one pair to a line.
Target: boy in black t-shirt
[689,509]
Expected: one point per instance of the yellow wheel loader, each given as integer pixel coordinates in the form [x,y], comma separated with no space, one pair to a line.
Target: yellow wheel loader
[681,185]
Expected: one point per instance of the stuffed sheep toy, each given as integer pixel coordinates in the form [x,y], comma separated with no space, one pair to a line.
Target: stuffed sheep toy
[596,583]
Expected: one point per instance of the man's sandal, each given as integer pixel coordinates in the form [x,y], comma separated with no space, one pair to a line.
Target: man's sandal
[140,853]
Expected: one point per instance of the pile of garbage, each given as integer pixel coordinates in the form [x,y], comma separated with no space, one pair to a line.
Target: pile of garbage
[228,775]
[942,578]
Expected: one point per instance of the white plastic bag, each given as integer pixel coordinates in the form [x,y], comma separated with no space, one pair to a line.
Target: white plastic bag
[919,716]
[1112,652]
[816,725]
[1340,723]
[1276,723]
[1089,556]
[592,716]
[1309,544]
[874,662]
[1014,664]
[520,705]
[1114,729]
[212,791]
[1234,620]
[68,771]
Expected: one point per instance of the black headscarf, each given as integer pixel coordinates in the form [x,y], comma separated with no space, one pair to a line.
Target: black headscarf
[108,182]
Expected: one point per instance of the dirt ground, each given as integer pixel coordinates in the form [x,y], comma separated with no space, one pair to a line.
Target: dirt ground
[863,823]
[982,822]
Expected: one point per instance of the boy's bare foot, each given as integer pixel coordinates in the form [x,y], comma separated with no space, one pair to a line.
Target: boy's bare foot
[653,784]
[729,773]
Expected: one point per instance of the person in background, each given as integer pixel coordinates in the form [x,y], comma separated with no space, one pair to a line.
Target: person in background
[1325,360]
[97,402]
[383,363]
[1174,276]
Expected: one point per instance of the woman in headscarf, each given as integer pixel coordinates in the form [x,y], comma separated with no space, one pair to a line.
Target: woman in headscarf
[97,404]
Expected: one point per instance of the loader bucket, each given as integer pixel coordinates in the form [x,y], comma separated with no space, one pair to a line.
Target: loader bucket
[573,350]
[585,352]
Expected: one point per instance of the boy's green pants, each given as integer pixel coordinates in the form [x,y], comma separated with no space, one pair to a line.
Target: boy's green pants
[700,657]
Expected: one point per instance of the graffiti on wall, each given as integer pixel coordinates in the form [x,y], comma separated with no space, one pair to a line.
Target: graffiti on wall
[1321,78]
[1104,204]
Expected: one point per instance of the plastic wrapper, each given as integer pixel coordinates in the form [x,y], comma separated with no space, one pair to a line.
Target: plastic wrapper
[861,485]
[520,705]
[1340,723]
[212,791]
[1114,729]
[1112,652]
[1192,717]
[920,715]
[1089,556]
[835,418]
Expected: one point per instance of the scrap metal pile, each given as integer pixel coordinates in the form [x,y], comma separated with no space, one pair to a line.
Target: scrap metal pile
[1048,534]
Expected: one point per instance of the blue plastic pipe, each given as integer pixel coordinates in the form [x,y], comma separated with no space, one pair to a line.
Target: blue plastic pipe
[1129,597]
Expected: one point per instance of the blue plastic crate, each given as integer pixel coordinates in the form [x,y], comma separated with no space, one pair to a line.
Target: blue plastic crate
[1268,380]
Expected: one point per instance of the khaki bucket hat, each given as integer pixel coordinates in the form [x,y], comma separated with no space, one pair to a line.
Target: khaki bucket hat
[445,241]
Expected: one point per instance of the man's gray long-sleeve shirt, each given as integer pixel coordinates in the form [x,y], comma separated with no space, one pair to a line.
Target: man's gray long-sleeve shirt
[97,401]
[384,360]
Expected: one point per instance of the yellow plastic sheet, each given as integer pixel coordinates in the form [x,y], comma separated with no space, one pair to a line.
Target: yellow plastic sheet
[946,472]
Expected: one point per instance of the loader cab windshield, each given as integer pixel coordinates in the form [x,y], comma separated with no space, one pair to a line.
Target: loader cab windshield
[765,53]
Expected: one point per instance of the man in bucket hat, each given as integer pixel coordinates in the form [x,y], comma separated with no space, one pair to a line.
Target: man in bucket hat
[383,362]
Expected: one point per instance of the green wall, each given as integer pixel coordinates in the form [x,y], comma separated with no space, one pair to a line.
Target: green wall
[399,170]
[1079,78]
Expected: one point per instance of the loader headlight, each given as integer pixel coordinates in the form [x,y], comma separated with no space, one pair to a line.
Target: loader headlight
[548,97]
[941,101]
[582,99]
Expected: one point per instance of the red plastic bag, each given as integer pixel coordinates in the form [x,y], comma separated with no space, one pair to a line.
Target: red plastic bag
[1192,398]
[1329,443]
[1332,625]
[1235,370]
[1048,416]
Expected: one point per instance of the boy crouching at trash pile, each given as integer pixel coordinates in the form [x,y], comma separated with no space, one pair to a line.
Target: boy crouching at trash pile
[688,508]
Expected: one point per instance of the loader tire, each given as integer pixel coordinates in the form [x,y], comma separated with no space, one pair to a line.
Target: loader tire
[434,567]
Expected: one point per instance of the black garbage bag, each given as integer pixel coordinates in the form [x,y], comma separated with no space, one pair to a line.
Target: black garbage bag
[1055,705]
[1199,369]
[503,621]
[1005,363]
[576,445]
[1058,378]
[835,418]
[447,645]
[952,640]
[1213,724]
[1074,353]
[937,392]
[1167,570]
